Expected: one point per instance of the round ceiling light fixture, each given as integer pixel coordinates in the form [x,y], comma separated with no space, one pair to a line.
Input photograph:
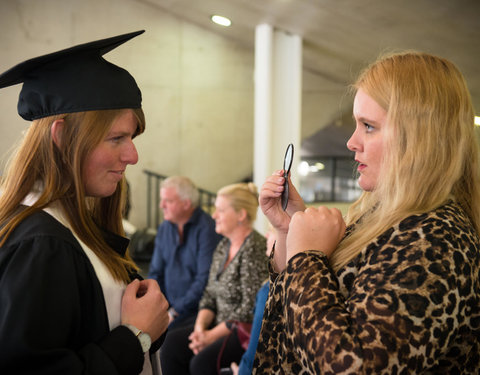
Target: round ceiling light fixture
[220,20]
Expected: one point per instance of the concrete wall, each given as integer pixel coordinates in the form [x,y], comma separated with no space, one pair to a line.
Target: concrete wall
[197,86]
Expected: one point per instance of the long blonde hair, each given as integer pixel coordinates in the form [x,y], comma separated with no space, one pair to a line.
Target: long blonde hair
[58,170]
[430,152]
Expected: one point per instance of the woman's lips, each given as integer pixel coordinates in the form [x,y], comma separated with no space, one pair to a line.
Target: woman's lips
[117,174]
[361,166]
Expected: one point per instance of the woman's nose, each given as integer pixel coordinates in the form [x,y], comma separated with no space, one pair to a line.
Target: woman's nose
[353,143]
[130,154]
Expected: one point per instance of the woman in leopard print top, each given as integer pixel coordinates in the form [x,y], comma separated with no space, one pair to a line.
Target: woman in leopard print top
[398,292]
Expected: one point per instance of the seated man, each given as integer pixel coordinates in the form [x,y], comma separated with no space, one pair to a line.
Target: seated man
[183,250]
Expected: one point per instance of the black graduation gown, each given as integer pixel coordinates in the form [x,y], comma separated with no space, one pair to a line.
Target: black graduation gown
[53,318]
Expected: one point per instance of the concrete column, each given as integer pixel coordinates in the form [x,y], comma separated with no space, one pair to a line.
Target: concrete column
[278,85]
[263,102]
[287,98]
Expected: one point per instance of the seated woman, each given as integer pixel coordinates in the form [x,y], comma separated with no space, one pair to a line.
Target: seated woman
[238,269]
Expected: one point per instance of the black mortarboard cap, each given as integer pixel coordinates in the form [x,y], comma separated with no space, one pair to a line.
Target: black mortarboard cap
[75,79]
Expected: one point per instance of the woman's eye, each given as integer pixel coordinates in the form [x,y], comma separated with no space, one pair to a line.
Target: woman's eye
[116,139]
[368,127]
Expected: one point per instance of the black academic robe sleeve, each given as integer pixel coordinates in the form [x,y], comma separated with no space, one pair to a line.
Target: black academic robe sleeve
[53,318]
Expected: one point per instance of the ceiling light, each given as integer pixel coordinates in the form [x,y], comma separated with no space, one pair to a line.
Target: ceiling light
[477,120]
[220,20]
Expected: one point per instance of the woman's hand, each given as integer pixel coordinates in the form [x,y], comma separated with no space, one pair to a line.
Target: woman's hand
[202,337]
[145,307]
[315,229]
[199,340]
[270,201]
[195,341]
[234,368]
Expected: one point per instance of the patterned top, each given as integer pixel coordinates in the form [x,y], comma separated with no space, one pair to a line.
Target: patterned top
[408,303]
[230,293]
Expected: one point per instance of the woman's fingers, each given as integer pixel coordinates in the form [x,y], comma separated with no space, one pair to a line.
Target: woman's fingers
[315,229]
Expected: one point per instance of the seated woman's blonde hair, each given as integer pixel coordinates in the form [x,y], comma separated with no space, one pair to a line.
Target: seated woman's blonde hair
[242,196]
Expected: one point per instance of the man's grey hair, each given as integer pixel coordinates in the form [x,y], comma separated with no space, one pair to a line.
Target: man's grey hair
[184,187]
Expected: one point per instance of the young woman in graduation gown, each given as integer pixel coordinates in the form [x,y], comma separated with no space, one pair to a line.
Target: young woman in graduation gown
[71,301]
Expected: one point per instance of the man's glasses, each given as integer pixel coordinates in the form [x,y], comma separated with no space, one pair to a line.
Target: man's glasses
[287,164]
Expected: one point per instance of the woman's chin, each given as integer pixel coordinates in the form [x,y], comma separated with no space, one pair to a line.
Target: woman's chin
[365,184]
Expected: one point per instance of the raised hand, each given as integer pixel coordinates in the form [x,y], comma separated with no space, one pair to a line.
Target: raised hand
[145,307]
[270,201]
[315,229]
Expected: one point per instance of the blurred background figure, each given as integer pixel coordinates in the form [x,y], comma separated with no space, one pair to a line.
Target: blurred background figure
[246,363]
[183,249]
[239,268]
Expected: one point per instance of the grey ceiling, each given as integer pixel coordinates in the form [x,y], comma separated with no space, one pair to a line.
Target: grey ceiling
[342,36]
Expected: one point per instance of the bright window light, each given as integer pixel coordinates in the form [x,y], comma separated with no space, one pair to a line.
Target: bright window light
[303,168]
[477,120]
[220,20]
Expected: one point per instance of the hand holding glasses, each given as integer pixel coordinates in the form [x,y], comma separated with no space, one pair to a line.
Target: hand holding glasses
[287,164]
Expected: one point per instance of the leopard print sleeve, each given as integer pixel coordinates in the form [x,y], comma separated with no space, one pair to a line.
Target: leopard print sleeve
[409,303]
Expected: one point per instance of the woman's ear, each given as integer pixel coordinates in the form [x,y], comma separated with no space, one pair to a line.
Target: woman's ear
[242,214]
[56,131]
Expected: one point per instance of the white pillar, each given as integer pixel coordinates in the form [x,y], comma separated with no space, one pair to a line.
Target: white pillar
[287,98]
[263,102]
[278,77]
[262,111]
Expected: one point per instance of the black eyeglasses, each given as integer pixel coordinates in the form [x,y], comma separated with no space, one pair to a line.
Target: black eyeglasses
[287,164]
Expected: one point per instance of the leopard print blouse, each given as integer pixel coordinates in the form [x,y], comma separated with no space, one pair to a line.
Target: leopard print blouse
[409,303]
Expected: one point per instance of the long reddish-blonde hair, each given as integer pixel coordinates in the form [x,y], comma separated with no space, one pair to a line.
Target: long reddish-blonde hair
[38,161]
